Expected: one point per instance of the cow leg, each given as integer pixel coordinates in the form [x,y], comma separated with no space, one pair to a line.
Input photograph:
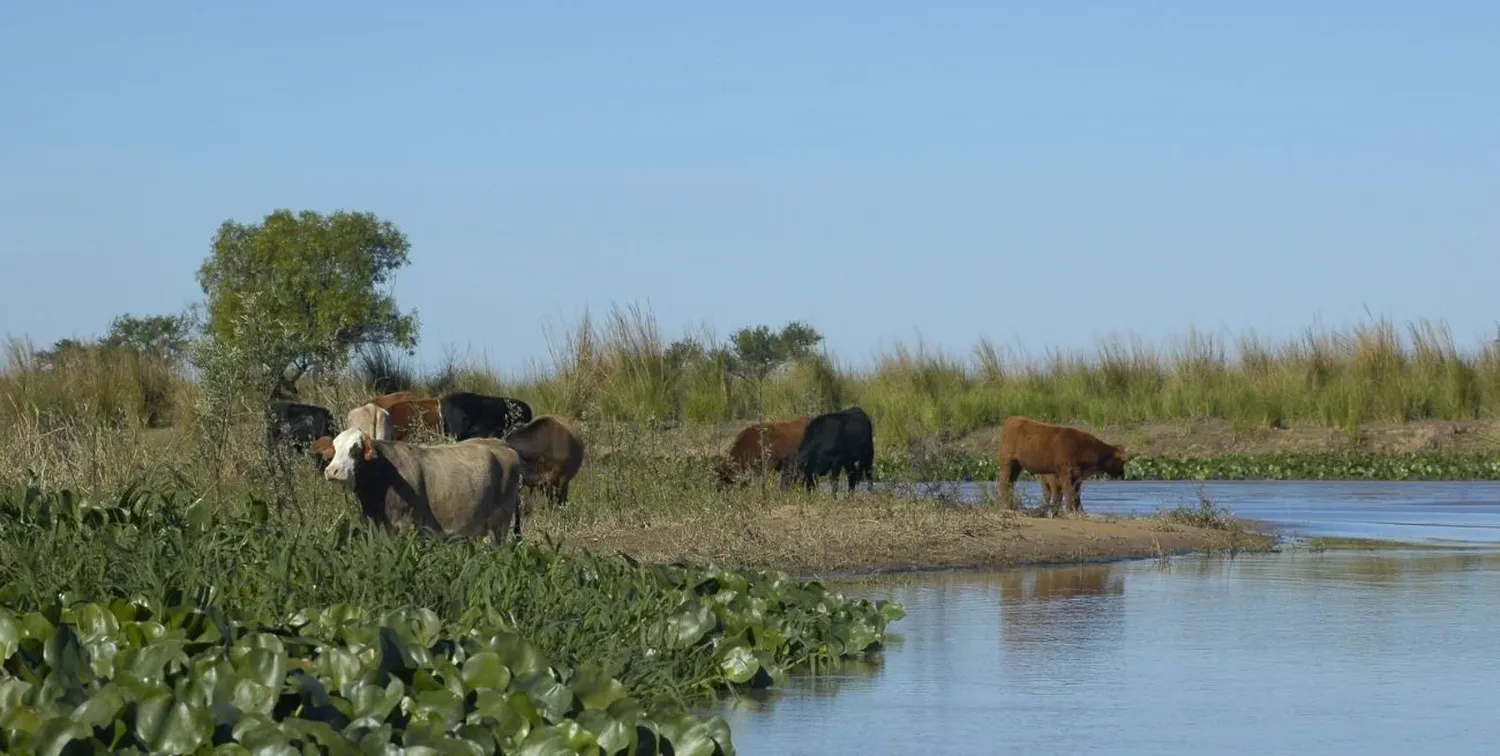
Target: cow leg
[1071,482]
[1057,495]
[1005,479]
[789,473]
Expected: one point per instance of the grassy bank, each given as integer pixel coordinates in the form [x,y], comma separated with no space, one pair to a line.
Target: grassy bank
[624,369]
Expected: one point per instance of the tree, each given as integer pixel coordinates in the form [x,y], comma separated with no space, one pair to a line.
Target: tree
[161,335]
[297,293]
[755,353]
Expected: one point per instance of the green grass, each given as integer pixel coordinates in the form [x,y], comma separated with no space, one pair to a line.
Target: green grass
[625,369]
[176,621]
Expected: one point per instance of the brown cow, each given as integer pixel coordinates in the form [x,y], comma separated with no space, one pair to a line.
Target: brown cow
[407,413]
[459,489]
[777,439]
[551,453]
[1045,449]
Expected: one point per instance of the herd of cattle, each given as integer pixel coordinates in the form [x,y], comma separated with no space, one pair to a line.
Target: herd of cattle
[1062,457]
[472,486]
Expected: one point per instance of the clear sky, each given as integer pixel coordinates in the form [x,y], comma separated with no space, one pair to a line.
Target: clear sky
[1039,173]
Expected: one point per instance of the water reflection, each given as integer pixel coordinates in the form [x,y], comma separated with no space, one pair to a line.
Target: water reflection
[1337,651]
[1069,607]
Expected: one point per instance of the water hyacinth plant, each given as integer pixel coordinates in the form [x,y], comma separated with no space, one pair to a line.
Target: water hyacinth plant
[153,622]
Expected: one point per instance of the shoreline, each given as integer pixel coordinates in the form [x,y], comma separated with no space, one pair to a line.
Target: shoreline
[865,539]
[1032,542]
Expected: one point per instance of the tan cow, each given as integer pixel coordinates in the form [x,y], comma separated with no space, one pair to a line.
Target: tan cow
[374,420]
[466,489]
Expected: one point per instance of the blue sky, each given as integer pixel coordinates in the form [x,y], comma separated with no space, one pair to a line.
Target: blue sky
[1039,173]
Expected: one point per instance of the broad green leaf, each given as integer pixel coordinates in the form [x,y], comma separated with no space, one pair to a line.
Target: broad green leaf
[595,688]
[10,635]
[250,696]
[612,734]
[374,701]
[102,708]
[56,733]
[169,726]
[437,705]
[265,667]
[689,624]
[331,741]
[485,670]
[565,738]
[553,699]
[739,665]
[691,736]
[339,667]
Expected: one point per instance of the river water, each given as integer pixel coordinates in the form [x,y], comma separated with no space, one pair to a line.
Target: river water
[1364,652]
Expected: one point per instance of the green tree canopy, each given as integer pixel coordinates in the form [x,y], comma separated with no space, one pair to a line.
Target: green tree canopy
[755,353]
[163,335]
[299,292]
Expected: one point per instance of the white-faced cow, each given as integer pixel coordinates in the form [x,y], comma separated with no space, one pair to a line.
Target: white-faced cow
[465,489]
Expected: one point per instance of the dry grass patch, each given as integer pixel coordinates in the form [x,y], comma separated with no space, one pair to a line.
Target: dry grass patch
[878,532]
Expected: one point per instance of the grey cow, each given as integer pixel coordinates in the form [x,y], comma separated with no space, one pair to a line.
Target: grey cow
[469,488]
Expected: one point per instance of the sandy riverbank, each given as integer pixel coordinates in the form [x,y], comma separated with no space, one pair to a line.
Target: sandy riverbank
[876,534]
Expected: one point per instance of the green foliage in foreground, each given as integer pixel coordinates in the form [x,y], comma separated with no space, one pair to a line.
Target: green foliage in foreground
[128,676]
[1275,466]
[156,622]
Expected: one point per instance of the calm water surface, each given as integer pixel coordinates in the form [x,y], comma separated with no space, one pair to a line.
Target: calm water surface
[1456,512]
[1396,651]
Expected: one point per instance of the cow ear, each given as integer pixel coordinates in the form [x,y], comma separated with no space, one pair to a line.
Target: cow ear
[368,448]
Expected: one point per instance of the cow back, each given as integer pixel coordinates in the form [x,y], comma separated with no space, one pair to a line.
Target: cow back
[451,488]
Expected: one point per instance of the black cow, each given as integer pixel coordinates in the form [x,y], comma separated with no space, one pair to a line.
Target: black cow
[298,423]
[468,415]
[835,442]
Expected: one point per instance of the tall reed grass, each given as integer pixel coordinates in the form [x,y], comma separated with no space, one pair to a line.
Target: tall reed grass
[624,369]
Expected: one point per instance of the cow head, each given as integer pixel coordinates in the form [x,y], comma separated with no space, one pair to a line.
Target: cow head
[1114,464]
[351,448]
[726,471]
[321,450]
